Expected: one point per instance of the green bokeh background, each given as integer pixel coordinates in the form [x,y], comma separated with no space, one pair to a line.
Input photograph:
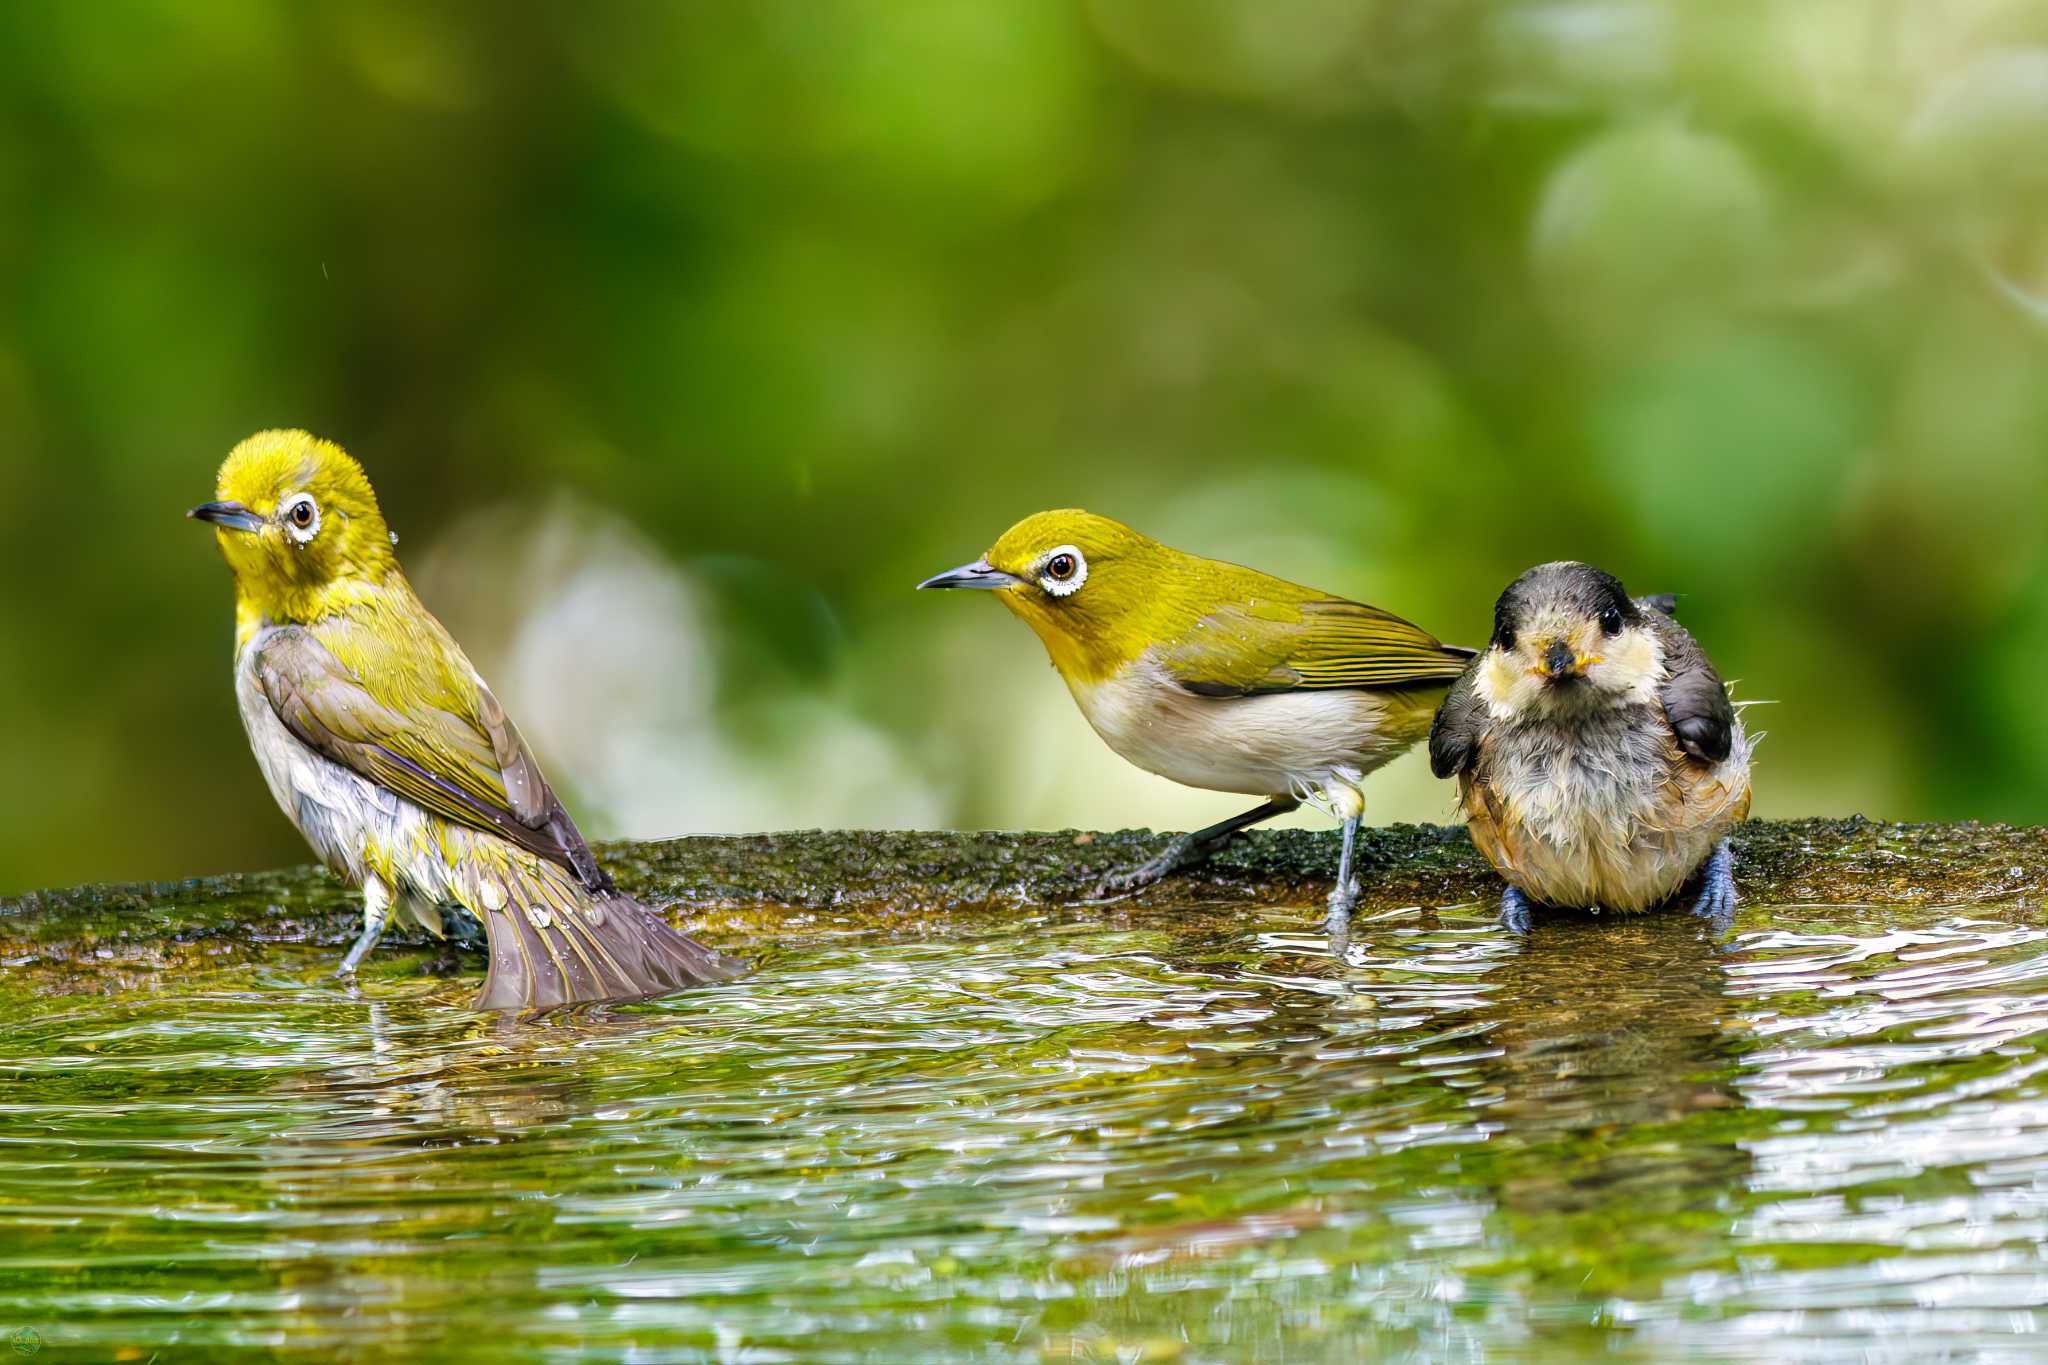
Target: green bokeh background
[682,339]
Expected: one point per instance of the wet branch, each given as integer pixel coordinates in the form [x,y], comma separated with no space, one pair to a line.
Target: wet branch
[747,890]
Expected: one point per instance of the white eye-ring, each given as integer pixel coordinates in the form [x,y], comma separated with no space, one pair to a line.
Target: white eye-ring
[301,517]
[1062,571]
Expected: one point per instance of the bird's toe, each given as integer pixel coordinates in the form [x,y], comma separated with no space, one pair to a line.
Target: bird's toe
[1514,911]
[1121,883]
[1717,899]
[1337,922]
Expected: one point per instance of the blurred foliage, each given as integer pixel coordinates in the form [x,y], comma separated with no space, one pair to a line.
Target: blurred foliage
[681,339]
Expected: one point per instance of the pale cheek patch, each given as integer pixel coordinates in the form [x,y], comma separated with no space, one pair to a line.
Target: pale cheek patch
[1629,666]
[1506,685]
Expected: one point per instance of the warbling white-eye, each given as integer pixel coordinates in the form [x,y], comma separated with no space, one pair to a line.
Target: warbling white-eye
[1598,757]
[1219,676]
[383,746]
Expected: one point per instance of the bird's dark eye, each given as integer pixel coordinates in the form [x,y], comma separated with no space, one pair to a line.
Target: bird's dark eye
[1062,571]
[1610,620]
[301,518]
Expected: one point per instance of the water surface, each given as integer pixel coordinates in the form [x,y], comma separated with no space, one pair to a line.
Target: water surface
[1142,1137]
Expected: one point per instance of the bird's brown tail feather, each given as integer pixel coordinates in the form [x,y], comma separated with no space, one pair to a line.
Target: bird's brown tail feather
[613,948]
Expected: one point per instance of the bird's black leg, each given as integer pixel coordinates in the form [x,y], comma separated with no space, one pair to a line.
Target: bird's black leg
[1344,894]
[376,914]
[1717,899]
[1514,910]
[1189,849]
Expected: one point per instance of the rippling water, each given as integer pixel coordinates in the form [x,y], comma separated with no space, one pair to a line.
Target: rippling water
[1164,1138]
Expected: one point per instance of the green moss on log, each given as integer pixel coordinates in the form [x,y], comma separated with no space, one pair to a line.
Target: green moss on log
[750,889]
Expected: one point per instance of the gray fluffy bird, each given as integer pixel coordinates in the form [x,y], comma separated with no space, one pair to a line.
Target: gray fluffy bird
[1599,760]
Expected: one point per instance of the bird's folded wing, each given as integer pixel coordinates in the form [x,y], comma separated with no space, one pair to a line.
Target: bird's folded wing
[1455,731]
[1694,697]
[1285,646]
[447,748]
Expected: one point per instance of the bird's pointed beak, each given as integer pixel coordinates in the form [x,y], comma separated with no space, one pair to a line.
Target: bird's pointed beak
[979,574]
[232,515]
[1561,662]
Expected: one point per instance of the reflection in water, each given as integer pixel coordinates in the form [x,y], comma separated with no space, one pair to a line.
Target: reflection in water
[1606,1022]
[1193,1137]
[481,1078]
[1613,1064]
[376,1125]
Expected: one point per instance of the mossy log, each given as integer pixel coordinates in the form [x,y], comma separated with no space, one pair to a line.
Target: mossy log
[745,890]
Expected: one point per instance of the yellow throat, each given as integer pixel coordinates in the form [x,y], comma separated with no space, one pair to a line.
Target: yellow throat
[299,526]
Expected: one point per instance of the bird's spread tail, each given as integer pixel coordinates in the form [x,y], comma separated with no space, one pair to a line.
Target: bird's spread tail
[608,948]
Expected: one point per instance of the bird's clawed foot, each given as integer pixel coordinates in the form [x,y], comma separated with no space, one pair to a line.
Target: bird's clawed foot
[1343,896]
[1717,899]
[1515,908]
[1189,849]
[359,950]
[376,914]
[1178,854]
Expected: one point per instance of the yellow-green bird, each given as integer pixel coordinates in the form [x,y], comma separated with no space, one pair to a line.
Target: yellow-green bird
[386,750]
[1219,676]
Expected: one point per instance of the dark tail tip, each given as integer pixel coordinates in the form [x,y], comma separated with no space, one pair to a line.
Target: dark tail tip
[611,950]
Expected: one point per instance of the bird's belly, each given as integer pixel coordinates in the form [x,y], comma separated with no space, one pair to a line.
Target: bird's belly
[362,830]
[1266,745]
[1619,824]
[353,825]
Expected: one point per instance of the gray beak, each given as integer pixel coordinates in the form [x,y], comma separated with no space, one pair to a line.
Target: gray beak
[979,574]
[1559,661]
[232,515]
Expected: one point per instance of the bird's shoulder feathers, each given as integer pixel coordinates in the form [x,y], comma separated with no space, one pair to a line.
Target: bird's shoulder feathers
[1694,698]
[1294,639]
[392,698]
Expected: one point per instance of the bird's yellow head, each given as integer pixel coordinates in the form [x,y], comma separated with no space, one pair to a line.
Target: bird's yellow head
[1096,592]
[299,526]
